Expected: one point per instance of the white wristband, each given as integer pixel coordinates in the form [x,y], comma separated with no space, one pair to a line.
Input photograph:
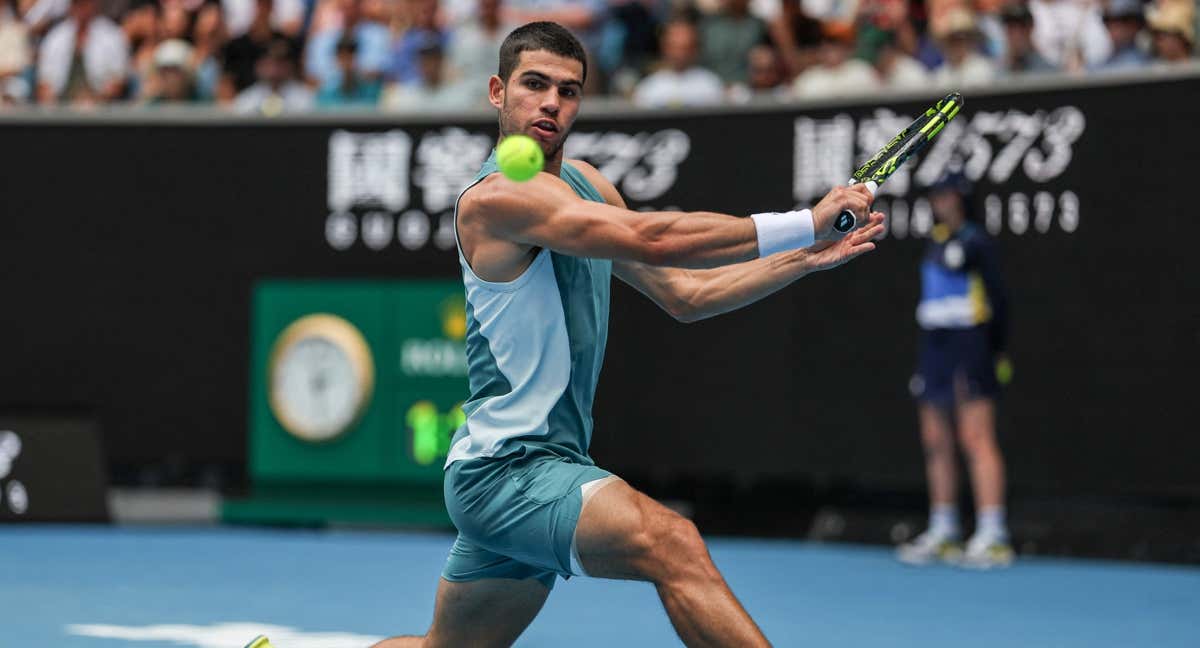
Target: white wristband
[782,231]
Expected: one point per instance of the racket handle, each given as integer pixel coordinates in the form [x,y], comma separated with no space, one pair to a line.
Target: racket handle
[846,220]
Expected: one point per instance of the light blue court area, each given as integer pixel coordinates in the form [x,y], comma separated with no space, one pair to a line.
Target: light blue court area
[98,587]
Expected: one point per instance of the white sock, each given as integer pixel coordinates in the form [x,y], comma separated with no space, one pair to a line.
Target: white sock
[990,523]
[943,519]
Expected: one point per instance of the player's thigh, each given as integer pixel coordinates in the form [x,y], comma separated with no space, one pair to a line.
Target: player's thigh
[624,534]
[484,613]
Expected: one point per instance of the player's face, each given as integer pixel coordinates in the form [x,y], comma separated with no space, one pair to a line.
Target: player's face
[541,98]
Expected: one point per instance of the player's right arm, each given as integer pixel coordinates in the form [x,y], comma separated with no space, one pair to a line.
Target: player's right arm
[545,212]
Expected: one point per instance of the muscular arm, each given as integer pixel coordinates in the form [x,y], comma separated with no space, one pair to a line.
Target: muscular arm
[690,295]
[545,212]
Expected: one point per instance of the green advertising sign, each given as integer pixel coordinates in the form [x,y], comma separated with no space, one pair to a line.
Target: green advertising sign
[356,382]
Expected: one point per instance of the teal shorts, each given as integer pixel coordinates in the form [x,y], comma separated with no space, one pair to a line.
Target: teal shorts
[516,516]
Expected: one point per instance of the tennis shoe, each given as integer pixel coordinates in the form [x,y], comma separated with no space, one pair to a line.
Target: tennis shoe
[987,552]
[930,546]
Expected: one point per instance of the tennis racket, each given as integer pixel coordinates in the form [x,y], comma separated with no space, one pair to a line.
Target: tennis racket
[904,145]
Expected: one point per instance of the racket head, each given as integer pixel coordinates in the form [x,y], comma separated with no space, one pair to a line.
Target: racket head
[909,141]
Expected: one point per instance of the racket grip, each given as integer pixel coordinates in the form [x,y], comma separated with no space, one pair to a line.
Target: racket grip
[846,220]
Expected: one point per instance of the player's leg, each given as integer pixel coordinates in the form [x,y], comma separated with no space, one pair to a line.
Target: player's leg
[624,534]
[484,613]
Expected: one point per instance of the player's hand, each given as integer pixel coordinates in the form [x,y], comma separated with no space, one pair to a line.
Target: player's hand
[857,198]
[831,254]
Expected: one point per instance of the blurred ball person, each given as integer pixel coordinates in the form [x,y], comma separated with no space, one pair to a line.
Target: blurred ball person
[1020,56]
[835,72]
[84,59]
[277,90]
[959,39]
[1124,20]
[1173,25]
[680,81]
[963,316]
[172,81]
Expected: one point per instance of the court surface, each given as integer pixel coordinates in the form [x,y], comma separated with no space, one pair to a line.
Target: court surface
[97,587]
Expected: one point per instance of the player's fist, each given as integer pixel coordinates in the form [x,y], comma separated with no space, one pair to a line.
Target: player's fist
[857,198]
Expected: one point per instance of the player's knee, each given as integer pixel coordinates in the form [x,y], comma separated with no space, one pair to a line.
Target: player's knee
[682,549]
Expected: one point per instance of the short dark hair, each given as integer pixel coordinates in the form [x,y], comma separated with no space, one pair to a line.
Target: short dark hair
[548,36]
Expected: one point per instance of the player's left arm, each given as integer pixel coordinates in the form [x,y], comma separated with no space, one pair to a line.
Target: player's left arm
[692,295]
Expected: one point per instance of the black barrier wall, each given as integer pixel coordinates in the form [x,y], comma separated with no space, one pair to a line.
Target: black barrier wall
[128,253]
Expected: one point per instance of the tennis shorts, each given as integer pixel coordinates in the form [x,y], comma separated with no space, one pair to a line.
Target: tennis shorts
[516,516]
[954,365]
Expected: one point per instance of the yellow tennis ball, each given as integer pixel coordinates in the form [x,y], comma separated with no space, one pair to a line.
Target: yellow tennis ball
[1004,371]
[519,157]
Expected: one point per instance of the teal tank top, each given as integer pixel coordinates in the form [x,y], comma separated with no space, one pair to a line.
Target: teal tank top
[535,346]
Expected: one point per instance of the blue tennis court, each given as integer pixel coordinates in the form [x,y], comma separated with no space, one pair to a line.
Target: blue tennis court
[97,587]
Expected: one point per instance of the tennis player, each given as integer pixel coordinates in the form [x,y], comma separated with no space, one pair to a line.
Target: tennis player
[963,315]
[537,258]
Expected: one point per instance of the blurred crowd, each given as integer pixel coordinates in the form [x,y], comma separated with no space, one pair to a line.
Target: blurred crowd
[276,56]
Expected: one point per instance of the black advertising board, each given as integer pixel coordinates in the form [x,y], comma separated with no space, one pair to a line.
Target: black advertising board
[51,470]
[128,252]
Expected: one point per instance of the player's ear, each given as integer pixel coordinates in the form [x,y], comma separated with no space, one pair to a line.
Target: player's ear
[496,91]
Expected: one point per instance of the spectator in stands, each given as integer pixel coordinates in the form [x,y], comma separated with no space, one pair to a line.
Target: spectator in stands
[172,81]
[240,56]
[420,17]
[959,39]
[1124,20]
[84,59]
[284,16]
[885,23]
[471,54]
[16,55]
[1020,56]
[1173,24]
[347,84]
[726,39]
[897,70]
[1069,34]
[680,81]
[372,42]
[797,37]
[431,90]
[277,89]
[141,24]
[585,18]
[765,76]
[836,73]
[208,39]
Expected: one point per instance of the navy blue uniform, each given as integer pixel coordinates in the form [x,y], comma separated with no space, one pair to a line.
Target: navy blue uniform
[963,315]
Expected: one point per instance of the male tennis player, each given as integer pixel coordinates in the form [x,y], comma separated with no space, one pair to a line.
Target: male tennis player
[537,259]
[963,315]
